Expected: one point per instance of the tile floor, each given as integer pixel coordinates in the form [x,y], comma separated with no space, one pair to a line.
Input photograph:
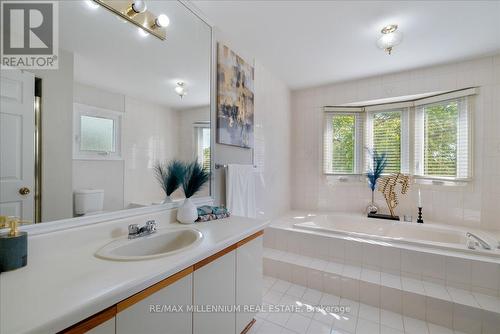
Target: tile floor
[361,319]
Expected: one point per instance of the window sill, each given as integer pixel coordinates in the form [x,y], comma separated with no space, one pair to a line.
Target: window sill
[99,158]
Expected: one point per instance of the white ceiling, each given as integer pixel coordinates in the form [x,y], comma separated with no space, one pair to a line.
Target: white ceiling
[309,43]
[110,53]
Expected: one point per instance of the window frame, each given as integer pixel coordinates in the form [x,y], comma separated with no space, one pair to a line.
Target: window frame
[404,113]
[198,128]
[409,111]
[419,138]
[358,136]
[80,110]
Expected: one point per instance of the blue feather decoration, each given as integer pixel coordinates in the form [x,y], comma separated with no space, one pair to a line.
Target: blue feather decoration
[170,176]
[379,163]
[194,179]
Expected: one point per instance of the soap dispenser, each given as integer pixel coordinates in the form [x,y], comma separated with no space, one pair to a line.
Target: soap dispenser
[13,245]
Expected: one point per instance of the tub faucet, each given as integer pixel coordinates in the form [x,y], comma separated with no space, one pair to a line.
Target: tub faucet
[134,231]
[483,243]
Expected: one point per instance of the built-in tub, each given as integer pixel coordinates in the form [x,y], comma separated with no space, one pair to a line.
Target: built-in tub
[427,234]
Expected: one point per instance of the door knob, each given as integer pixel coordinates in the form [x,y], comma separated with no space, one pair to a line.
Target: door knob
[24,191]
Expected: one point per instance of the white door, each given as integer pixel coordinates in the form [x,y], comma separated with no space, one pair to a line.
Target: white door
[17,130]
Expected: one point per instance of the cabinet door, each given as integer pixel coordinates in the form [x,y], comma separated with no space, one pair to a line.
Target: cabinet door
[214,285]
[248,280]
[158,313]
[107,327]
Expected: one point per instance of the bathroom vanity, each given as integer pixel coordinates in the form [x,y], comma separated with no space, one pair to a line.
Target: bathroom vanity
[68,289]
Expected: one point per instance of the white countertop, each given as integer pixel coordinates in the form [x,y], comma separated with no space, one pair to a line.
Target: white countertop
[65,283]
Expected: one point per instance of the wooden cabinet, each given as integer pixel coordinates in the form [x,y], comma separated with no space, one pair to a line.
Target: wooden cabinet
[230,277]
[214,285]
[163,310]
[248,280]
[107,327]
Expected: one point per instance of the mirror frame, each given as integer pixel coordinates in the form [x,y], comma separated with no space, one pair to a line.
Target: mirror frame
[68,223]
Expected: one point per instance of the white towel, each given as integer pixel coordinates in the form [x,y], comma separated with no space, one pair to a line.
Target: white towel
[240,190]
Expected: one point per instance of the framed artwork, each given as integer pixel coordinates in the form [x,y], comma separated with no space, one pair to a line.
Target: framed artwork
[235,99]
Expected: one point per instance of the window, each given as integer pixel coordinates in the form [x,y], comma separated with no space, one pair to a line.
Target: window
[202,141]
[442,140]
[96,133]
[439,146]
[342,132]
[387,132]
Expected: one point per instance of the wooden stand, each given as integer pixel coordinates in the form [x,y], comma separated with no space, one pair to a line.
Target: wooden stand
[382,216]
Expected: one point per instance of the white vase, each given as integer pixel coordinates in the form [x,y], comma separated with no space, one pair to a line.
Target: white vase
[187,212]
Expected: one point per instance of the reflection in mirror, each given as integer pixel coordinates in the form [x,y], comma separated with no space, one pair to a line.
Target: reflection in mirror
[121,101]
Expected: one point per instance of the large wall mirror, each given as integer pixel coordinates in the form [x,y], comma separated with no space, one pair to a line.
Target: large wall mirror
[121,101]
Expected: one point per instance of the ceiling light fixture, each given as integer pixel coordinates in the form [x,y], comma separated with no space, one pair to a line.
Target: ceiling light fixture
[137,7]
[181,89]
[390,38]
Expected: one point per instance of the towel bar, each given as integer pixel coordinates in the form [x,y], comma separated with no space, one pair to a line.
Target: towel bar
[217,166]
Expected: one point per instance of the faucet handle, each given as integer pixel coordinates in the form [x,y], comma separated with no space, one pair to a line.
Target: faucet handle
[133,229]
[151,225]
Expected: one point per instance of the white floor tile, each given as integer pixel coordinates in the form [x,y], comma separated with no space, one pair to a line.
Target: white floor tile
[325,318]
[389,330]
[298,323]
[329,300]
[367,327]
[435,329]
[269,328]
[391,319]
[369,313]
[278,318]
[415,326]
[296,290]
[346,323]
[311,296]
[272,297]
[280,286]
[316,327]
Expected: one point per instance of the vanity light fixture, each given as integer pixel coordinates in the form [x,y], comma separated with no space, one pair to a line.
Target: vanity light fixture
[181,89]
[390,38]
[136,12]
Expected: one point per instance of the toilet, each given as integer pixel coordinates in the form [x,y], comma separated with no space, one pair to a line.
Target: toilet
[88,201]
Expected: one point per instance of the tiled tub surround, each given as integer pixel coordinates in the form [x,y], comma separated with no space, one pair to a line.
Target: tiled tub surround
[444,288]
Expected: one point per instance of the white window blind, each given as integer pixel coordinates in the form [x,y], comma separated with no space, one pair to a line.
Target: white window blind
[341,152]
[202,143]
[387,132]
[442,139]
[439,147]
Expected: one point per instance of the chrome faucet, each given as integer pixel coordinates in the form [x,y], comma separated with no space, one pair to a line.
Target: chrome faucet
[483,243]
[134,231]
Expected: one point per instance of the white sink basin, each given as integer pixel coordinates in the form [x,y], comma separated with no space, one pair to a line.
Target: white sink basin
[159,244]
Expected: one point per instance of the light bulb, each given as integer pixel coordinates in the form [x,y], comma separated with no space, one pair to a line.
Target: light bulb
[139,6]
[162,21]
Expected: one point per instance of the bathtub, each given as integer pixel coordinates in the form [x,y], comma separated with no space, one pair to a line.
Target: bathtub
[428,235]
